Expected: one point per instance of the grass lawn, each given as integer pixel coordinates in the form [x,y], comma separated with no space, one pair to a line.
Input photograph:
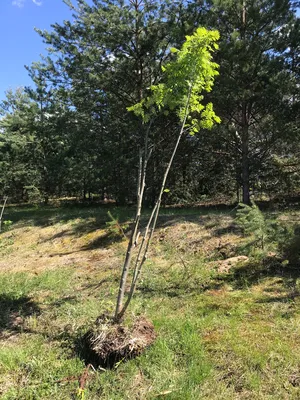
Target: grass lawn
[221,334]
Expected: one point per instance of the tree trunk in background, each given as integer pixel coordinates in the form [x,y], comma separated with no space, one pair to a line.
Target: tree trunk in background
[245,173]
[245,156]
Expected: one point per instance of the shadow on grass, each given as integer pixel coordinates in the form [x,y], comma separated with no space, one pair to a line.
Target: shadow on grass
[239,278]
[229,229]
[101,242]
[180,289]
[13,311]
[30,215]
[64,300]
[196,216]
[255,272]
[86,218]
[93,286]
[280,299]
[252,273]
[149,292]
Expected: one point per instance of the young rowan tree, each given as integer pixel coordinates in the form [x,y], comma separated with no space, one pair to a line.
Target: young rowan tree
[191,73]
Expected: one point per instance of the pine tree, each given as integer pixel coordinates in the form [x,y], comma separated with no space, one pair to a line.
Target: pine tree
[255,85]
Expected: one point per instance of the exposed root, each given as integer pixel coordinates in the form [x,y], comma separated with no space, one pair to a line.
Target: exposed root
[109,343]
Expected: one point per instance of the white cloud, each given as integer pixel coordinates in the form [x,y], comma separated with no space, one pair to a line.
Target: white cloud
[18,3]
[21,3]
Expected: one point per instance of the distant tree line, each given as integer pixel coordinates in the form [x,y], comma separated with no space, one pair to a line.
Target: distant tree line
[70,133]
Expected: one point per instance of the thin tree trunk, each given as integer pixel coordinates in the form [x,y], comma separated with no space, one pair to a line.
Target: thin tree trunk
[245,157]
[245,170]
[144,246]
[245,130]
[237,192]
[134,233]
[2,211]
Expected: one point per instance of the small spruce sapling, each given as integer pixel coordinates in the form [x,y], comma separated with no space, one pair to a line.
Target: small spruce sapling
[283,239]
[253,223]
[114,226]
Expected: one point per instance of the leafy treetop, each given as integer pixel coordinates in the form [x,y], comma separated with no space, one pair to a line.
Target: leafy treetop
[185,78]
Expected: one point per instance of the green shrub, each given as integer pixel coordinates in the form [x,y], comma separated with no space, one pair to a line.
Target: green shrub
[6,225]
[290,249]
[253,223]
[33,194]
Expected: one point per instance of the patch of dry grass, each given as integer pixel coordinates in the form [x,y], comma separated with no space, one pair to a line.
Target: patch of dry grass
[35,249]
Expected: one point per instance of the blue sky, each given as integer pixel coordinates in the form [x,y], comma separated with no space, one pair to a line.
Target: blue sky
[20,45]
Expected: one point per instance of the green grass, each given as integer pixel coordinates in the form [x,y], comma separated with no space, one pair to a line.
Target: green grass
[219,336]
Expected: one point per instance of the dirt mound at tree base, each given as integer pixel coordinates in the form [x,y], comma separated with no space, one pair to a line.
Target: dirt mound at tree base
[109,343]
